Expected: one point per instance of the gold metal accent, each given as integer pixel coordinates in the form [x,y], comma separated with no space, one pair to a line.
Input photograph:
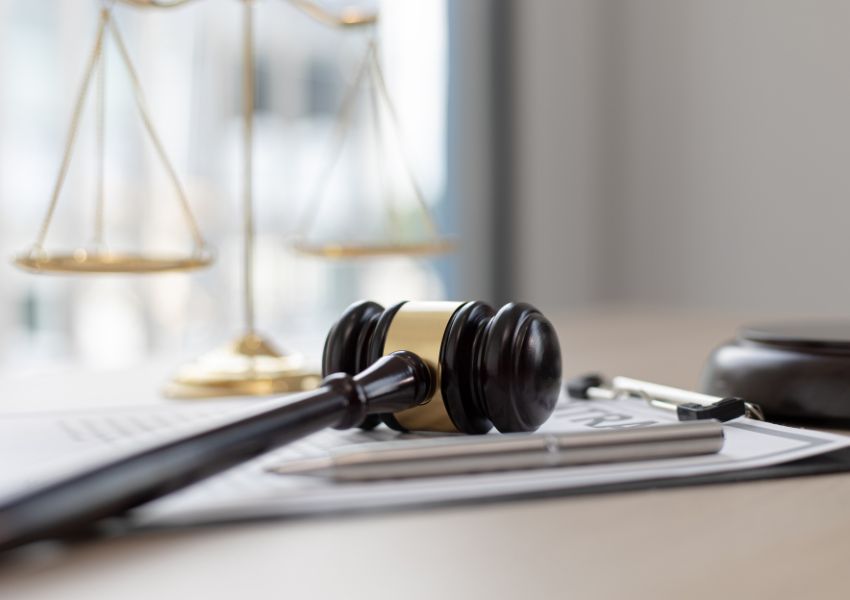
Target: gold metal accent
[82,261]
[343,251]
[419,327]
[249,232]
[250,366]
[99,259]
[348,17]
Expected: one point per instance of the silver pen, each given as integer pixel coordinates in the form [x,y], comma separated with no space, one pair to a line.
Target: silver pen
[459,455]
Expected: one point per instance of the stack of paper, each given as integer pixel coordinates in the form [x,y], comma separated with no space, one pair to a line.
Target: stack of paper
[36,448]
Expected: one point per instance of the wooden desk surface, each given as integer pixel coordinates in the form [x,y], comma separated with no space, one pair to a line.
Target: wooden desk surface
[773,539]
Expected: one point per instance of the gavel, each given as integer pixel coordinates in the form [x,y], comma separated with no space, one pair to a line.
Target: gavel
[416,366]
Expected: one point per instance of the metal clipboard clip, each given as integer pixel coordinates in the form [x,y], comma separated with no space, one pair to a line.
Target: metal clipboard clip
[688,405]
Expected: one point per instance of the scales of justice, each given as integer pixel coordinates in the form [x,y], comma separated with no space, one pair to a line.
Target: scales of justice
[251,364]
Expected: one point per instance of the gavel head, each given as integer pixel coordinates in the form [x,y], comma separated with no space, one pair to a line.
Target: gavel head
[490,368]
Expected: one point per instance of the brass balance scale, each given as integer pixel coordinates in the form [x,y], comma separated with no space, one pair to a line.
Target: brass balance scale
[251,364]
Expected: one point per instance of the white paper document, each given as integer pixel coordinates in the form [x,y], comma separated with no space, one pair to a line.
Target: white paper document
[36,448]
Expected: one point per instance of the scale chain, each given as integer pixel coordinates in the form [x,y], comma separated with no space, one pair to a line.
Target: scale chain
[94,59]
[141,104]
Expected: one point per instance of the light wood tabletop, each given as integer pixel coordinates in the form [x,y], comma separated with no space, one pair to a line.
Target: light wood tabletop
[769,539]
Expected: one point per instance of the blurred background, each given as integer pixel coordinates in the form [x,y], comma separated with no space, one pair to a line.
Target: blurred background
[670,155]
[189,61]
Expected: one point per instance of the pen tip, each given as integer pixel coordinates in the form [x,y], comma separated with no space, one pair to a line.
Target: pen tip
[306,466]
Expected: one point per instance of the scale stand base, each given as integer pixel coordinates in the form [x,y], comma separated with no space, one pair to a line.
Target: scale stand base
[249,366]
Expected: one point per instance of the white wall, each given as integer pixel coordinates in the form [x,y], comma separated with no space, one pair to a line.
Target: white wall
[558,151]
[685,153]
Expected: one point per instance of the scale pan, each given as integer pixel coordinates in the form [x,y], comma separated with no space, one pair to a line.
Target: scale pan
[342,251]
[82,261]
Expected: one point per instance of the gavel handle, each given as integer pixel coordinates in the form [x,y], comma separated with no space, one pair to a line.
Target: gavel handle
[395,382]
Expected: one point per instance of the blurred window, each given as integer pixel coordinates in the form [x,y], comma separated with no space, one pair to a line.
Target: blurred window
[189,62]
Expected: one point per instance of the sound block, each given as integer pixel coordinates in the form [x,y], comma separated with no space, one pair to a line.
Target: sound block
[795,371]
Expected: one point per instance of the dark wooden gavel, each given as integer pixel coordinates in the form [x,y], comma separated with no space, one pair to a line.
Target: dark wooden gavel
[433,366]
